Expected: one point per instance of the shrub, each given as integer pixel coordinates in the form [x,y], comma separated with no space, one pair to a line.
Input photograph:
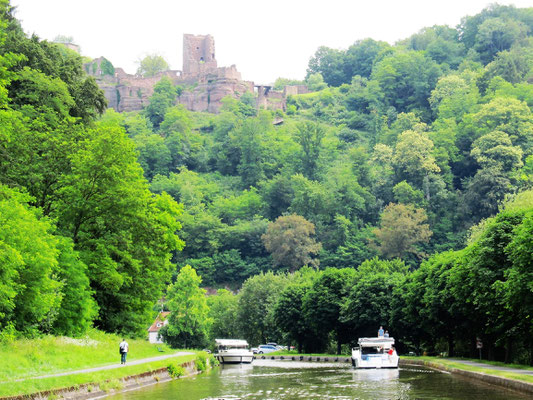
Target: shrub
[201,362]
[175,371]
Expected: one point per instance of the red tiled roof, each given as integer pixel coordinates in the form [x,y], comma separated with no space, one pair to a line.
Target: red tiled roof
[160,319]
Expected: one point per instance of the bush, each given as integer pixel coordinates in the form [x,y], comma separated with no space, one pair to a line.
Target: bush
[213,361]
[201,362]
[175,371]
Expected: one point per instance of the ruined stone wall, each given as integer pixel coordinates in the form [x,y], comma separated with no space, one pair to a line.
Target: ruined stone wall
[207,96]
[198,54]
[295,90]
[205,84]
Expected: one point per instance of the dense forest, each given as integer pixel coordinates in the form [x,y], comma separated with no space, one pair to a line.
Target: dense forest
[397,193]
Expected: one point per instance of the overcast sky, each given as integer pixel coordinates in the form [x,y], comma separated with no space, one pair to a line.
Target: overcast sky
[265,39]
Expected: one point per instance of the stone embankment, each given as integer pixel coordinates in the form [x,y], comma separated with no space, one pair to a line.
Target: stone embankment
[508,383]
[339,359]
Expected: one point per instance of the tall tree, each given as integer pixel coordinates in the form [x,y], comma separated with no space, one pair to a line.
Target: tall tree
[323,301]
[309,136]
[289,240]
[188,322]
[151,65]
[402,228]
[255,315]
[223,314]
[163,98]
[124,234]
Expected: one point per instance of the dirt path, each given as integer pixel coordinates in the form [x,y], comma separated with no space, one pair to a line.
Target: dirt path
[106,367]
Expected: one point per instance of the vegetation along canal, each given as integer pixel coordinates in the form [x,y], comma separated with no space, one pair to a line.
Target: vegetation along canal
[265,379]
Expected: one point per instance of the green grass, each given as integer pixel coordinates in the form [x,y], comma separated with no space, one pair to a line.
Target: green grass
[27,358]
[48,355]
[101,377]
[457,365]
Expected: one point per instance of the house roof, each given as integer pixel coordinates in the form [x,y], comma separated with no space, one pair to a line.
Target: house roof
[159,322]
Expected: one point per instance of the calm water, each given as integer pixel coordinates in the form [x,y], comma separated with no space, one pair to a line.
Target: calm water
[299,380]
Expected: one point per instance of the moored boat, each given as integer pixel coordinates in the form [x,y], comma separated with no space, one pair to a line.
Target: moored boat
[375,353]
[233,351]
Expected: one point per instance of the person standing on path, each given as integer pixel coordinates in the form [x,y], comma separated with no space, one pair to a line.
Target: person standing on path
[123,351]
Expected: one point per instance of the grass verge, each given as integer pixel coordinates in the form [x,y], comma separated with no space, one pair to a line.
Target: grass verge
[29,386]
[26,358]
[465,367]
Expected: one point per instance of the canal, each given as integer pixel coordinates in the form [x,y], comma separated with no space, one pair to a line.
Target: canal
[267,379]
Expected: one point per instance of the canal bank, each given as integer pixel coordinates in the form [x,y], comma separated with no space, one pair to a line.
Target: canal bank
[488,373]
[130,385]
[99,381]
[287,379]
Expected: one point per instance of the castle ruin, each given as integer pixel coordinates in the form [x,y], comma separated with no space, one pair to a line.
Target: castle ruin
[204,83]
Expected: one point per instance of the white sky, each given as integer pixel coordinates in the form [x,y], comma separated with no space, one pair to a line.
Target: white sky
[265,39]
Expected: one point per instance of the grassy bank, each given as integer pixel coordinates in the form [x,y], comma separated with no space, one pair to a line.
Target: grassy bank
[25,359]
[448,364]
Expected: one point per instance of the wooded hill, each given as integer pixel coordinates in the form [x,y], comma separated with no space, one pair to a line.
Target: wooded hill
[399,151]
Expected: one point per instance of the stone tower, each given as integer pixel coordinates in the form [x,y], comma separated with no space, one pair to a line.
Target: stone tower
[198,54]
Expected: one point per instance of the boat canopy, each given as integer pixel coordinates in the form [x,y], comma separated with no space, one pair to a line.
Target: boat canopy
[239,343]
[375,342]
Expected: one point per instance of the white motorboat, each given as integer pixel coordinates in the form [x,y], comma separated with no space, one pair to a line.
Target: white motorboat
[375,353]
[233,351]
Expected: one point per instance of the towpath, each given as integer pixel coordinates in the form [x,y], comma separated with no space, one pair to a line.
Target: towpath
[106,367]
[493,367]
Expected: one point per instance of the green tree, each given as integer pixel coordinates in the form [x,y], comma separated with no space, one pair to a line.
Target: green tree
[360,57]
[402,228]
[323,301]
[406,79]
[507,115]
[255,315]
[249,139]
[189,321]
[413,158]
[309,136]
[494,150]
[30,290]
[124,234]
[78,308]
[497,34]
[163,98]
[289,240]
[367,303]
[43,284]
[290,318]
[223,314]
[440,42]
[485,191]
[328,62]
[151,65]
[55,62]
[315,82]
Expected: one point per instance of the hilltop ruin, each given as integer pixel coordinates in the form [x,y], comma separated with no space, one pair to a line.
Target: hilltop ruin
[204,83]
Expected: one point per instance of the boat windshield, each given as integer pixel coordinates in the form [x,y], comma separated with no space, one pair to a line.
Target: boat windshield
[227,347]
[226,344]
[372,350]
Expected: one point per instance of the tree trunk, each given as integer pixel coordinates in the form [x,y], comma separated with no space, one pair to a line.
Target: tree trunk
[508,350]
[531,351]
[451,347]
[490,354]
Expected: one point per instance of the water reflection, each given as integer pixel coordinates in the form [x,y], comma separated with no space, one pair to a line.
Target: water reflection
[291,380]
